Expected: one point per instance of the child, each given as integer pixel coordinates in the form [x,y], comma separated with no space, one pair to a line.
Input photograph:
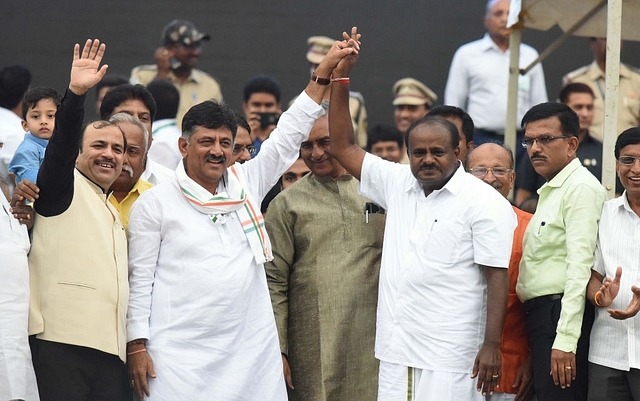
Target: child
[38,119]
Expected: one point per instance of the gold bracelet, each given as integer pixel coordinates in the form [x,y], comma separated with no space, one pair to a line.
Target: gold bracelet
[595,298]
[137,352]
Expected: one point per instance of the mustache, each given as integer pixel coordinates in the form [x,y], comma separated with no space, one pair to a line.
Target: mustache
[218,159]
[128,169]
[429,167]
[537,156]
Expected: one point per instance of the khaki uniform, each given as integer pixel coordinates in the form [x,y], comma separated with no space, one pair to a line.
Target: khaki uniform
[199,87]
[628,96]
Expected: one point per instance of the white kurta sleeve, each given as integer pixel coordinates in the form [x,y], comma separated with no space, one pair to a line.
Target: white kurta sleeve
[144,247]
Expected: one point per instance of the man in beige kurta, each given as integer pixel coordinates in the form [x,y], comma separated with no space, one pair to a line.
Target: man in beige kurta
[323,280]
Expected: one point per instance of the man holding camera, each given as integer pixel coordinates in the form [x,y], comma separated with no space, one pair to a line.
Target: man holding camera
[261,107]
[176,61]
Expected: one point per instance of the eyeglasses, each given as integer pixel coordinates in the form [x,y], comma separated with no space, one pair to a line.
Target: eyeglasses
[542,140]
[237,149]
[482,171]
[628,160]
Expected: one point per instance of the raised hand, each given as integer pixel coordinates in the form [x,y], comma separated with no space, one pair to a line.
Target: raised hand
[340,50]
[610,289]
[346,63]
[86,70]
[632,309]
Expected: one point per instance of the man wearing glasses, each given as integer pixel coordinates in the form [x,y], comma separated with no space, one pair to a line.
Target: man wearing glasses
[558,253]
[243,149]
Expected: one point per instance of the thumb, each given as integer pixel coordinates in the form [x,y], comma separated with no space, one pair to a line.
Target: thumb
[151,372]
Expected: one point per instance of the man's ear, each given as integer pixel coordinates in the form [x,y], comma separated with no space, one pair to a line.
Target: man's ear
[573,142]
[182,145]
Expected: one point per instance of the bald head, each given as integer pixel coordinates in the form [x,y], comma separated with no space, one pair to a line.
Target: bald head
[493,164]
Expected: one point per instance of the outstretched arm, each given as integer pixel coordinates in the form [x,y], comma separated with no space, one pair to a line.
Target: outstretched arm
[55,177]
[343,141]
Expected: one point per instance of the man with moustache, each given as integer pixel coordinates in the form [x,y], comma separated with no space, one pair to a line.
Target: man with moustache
[443,279]
[325,306]
[580,98]
[129,186]
[463,123]
[558,250]
[493,163]
[200,322]
[176,61]
[614,351]
[137,101]
[78,258]
[243,149]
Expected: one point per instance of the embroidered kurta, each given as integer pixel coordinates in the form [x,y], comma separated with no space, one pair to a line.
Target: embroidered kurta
[324,287]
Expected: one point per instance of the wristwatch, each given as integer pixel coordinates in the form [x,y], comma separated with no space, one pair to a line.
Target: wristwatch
[320,81]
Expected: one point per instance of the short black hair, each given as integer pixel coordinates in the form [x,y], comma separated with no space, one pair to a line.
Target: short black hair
[33,96]
[628,137]
[209,114]
[262,84]
[99,125]
[569,121]
[384,133]
[452,111]
[121,93]
[14,83]
[242,122]
[575,87]
[110,81]
[167,98]
[431,120]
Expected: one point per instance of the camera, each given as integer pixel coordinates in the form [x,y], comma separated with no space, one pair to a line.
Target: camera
[267,119]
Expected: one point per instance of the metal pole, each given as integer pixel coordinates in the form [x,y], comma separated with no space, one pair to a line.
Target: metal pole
[612,81]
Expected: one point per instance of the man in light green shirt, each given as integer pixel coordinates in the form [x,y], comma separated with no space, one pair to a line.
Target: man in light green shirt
[558,253]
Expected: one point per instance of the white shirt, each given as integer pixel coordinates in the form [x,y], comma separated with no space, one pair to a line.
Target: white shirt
[432,299]
[155,173]
[478,82]
[616,343]
[196,291]
[17,378]
[12,134]
[164,148]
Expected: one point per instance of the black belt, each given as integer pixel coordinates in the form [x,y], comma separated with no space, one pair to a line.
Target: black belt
[540,301]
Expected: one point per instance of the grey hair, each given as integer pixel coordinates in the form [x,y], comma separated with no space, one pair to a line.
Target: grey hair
[128,118]
[490,4]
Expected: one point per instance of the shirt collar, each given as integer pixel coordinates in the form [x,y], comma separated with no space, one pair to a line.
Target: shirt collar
[192,77]
[489,44]
[453,185]
[595,72]
[562,176]
[40,141]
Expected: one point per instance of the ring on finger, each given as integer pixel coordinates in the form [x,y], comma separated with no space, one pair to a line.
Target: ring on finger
[568,367]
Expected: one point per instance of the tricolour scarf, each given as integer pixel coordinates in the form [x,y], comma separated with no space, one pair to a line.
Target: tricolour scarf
[234,199]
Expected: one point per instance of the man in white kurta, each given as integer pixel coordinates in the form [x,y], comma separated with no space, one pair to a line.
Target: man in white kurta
[443,278]
[17,379]
[199,294]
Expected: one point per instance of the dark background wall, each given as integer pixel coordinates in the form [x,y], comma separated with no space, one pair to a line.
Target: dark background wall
[400,38]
